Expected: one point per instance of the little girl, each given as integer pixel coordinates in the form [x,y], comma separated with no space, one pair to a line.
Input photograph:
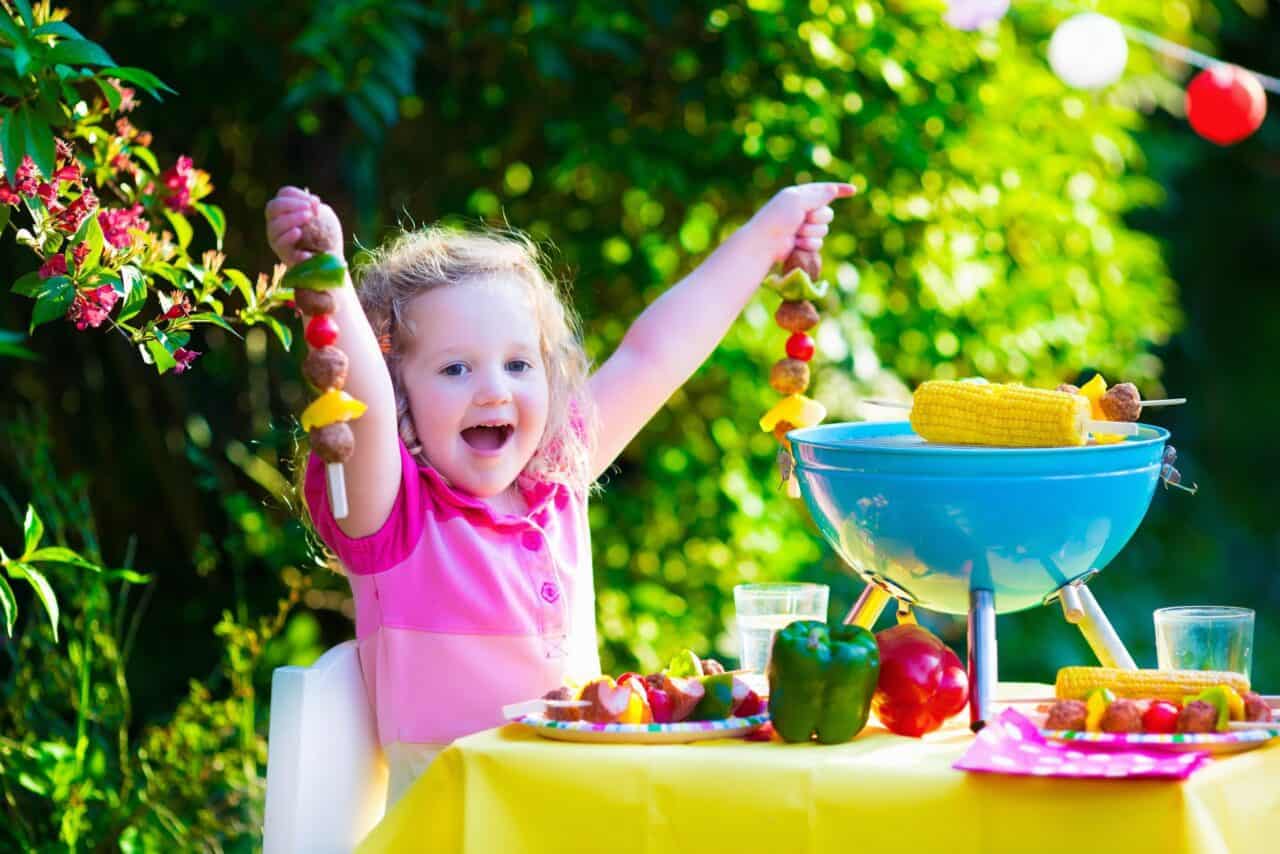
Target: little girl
[466,543]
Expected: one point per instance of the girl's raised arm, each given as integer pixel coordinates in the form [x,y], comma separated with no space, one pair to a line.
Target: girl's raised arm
[677,333]
[298,225]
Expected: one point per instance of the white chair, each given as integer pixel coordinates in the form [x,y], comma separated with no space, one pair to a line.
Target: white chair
[326,775]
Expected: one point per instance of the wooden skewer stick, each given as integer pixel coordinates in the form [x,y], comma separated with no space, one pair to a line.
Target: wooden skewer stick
[1169,401]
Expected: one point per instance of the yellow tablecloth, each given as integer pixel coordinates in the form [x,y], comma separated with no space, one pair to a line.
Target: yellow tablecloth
[509,790]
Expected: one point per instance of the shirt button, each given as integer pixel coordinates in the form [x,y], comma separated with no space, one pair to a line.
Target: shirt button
[531,540]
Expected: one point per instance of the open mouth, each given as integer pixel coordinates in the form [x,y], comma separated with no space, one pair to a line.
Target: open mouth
[487,437]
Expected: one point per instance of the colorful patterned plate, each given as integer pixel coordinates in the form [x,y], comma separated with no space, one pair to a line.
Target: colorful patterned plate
[1214,743]
[680,733]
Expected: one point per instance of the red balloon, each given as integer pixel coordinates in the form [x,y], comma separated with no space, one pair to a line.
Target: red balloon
[1225,104]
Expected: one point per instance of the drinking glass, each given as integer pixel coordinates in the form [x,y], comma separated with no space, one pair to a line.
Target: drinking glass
[762,609]
[1205,637]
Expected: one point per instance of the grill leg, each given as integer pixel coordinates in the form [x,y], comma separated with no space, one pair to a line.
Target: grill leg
[983,673]
[1100,634]
[868,608]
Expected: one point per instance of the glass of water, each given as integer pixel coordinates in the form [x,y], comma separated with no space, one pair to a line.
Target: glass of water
[1205,637]
[762,609]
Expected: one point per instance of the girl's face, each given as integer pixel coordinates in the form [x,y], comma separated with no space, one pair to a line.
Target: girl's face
[476,382]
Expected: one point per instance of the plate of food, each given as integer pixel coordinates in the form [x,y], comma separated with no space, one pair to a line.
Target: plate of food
[1200,711]
[689,700]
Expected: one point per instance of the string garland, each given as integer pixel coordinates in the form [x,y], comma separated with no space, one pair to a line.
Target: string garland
[1225,103]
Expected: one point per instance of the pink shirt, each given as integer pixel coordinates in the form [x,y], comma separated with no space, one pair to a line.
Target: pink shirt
[460,609]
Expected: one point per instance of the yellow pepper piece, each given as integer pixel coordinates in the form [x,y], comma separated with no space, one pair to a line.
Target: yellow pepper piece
[795,409]
[638,711]
[330,408]
[1093,391]
[1095,707]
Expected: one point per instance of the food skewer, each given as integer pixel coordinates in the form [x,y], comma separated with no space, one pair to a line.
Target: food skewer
[946,427]
[789,376]
[325,368]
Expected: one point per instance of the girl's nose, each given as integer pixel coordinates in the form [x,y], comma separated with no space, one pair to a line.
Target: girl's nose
[492,389]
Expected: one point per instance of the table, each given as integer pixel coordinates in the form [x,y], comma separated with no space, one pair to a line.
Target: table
[509,790]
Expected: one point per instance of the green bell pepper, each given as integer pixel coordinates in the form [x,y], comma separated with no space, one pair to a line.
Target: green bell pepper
[721,695]
[821,681]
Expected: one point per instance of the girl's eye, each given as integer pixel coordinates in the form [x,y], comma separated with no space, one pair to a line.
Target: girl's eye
[457,369]
[519,366]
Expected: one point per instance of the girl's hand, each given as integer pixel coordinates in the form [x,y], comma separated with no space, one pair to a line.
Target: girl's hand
[796,218]
[299,225]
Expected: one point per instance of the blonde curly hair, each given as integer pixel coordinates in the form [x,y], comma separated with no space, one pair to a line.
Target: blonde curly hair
[416,261]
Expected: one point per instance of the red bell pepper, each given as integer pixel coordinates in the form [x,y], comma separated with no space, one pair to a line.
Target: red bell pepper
[921,681]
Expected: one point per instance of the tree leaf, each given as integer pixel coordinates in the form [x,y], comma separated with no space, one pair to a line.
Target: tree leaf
[13,138]
[145,79]
[28,285]
[242,284]
[111,93]
[144,154]
[214,318]
[61,555]
[216,219]
[24,9]
[181,227]
[319,272]
[95,239]
[10,604]
[9,346]
[44,592]
[39,142]
[135,292]
[32,530]
[58,28]
[79,52]
[53,301]
[160,357]
[284,333]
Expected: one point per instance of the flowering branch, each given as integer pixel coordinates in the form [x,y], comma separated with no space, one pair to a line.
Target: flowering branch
[111,229]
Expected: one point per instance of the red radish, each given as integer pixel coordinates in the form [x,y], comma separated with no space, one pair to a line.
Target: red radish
[322,330]
[660,704]
[1161,716]
[750,705]
[800,346]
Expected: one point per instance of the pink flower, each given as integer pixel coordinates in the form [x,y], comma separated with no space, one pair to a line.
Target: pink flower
[7,194]
[69,220]
[79,254]
[70,172]
[122,163]
[116,223]
[62,152]
[184,358]
[55,265]
[179,180]
[25,177]
[91,308]
[180,307]
[47,193]
[127,96]
[105,296]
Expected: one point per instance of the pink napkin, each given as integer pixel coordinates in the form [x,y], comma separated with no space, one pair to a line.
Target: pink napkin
[1012,745]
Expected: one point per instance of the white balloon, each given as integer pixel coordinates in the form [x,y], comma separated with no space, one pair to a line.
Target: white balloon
[1088,51]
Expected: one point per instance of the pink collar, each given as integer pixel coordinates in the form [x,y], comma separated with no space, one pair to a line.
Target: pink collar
[538,495]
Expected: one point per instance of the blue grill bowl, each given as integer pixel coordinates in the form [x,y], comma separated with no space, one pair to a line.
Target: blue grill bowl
[930,522]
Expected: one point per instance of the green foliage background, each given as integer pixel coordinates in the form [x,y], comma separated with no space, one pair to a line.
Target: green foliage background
[1005,226]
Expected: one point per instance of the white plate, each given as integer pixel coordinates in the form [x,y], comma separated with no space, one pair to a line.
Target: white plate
[1206,742]
[680,733]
